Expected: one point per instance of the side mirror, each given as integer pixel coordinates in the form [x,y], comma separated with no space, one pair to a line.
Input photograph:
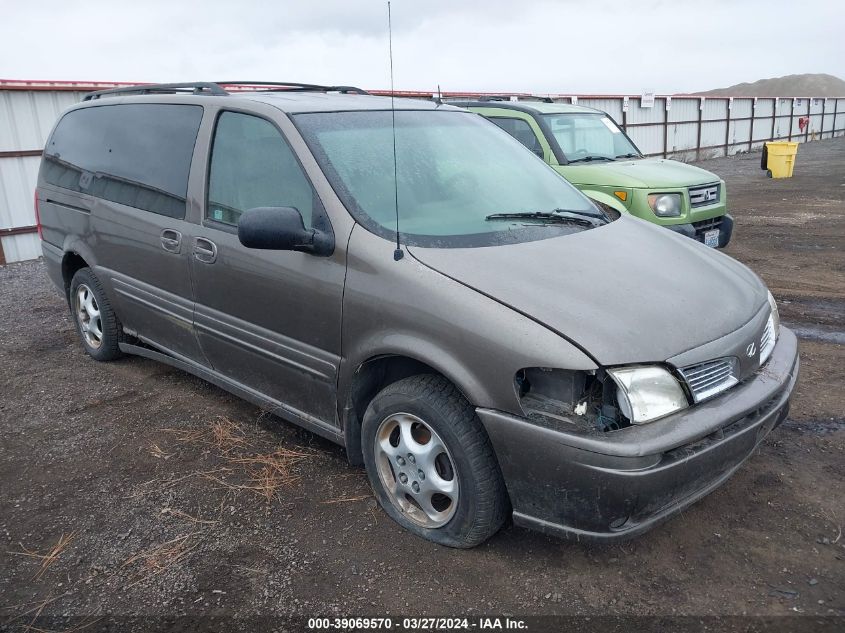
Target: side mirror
[281,229]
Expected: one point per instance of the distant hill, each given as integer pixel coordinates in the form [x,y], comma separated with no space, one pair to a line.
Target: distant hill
[808,85]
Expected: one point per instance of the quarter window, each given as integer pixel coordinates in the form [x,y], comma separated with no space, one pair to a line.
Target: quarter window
[133,154]
[252,166]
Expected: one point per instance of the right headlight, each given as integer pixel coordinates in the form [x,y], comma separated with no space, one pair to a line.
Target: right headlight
[647,393]
[665,205]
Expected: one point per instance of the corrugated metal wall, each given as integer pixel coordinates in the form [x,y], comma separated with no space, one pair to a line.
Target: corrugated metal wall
[683,127]
[26,117]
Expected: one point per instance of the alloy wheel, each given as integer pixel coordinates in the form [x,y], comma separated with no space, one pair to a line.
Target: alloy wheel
[416,470]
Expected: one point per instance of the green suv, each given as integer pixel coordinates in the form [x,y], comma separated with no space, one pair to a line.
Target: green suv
[589,149]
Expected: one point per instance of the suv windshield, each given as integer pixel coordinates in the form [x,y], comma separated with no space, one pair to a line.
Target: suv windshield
[585,136]
[454,170]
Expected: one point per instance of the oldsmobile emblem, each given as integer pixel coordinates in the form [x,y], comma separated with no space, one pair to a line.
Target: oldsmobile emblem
[750,349]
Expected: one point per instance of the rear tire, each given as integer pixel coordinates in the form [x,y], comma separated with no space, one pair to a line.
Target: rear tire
[96,323]
[431,464]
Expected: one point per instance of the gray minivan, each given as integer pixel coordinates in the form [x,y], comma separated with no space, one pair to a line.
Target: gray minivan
[470,327]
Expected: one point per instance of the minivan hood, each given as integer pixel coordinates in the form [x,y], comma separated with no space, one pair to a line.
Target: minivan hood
[625,292]
[648,173]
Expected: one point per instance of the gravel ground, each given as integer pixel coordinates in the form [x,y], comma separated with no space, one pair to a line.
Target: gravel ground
[162,496]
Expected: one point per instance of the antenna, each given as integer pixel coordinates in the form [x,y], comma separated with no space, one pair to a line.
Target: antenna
[398,253]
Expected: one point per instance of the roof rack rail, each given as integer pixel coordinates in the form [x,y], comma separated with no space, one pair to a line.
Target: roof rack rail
[292,86]
[197,88]
[519,97]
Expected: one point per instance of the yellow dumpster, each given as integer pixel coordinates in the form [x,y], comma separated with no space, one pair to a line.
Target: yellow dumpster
[781,158]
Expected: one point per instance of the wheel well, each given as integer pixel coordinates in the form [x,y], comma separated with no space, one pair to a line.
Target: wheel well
[371,377]
[71,263]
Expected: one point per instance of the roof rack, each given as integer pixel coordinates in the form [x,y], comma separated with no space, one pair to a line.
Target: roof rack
[198,87]
[291,86]
[217,89]
[519,97]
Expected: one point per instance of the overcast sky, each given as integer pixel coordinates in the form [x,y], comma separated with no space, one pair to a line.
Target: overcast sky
[577,46]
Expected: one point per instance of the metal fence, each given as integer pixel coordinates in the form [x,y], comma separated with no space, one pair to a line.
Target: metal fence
[680,126]
[689,127]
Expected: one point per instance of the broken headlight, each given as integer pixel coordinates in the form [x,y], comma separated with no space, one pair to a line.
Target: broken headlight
[569,400]
[647,393]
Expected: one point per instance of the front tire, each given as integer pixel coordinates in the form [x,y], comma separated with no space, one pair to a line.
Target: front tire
[431,464]
[96,323]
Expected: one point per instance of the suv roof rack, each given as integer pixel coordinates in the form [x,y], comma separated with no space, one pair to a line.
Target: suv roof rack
[292,86]
[519,98]
[216,88]
[196,87]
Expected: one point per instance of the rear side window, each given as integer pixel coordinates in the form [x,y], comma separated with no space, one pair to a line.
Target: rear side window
[134,154]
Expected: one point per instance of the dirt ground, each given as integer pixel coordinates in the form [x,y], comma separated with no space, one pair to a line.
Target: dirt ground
[131,488]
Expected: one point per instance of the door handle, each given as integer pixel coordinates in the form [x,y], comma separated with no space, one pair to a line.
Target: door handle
[171,240]
[205,250]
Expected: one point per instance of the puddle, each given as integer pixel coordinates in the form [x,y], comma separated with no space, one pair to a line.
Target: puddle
[816,426]
[817,333]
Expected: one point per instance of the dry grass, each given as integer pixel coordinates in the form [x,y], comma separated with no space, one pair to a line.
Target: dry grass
[223,434]
[36,611]
[261,474]
[52,554]
[346,499]
[156,451]
[161,557]
[243,468]
[247,470]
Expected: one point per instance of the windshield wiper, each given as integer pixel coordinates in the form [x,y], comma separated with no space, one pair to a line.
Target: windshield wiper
[588,159]
[628,156]
[551,217]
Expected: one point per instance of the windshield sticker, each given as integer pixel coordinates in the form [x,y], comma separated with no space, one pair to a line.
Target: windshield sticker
[610,125]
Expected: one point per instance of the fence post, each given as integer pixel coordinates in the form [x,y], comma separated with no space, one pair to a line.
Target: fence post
[821,127]
[624,115]
[728,104]
[700,114]
[791,117]
[809,107]
[751,130]
[665,129]
[774,117]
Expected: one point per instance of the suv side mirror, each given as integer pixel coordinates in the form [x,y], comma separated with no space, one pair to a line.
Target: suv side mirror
[282,229]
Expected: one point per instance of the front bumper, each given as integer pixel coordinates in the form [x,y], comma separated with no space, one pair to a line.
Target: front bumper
[696,230]
[616,485]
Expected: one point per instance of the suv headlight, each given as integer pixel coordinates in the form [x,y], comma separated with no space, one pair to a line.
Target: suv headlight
[665,205]
[647,393]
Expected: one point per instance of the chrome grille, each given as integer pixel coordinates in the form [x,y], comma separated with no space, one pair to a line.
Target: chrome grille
[707,379]
[701,196]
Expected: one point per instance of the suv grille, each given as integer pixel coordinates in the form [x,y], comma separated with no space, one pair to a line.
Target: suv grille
[708,379]
[701,196]
[702,226]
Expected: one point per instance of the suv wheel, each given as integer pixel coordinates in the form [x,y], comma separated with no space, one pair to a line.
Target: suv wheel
[431,464]
[95,320]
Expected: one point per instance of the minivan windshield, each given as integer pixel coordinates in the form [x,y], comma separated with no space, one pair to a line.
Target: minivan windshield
[454,171]
[587,136]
